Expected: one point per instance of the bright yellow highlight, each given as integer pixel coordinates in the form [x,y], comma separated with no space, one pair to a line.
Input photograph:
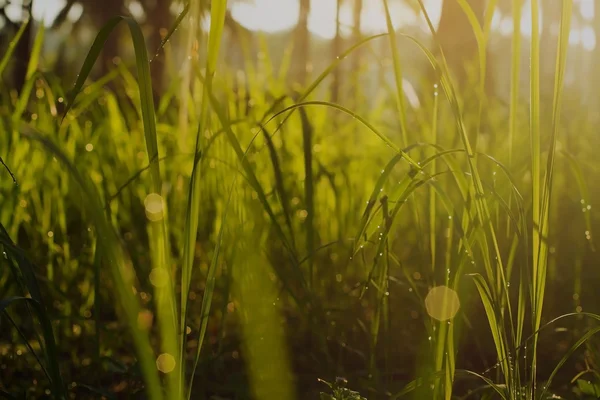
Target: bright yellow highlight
[154,204]
[442,303]
[158,277]
[165,363]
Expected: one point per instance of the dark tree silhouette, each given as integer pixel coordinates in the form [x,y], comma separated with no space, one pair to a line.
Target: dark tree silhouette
[301,45]
[457,38]
[22,52]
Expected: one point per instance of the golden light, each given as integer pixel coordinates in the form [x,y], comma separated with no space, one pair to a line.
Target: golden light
[280,15]
[442,303]
[165,363]
[158,277]
[154,207]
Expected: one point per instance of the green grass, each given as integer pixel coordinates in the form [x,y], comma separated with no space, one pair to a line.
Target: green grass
[203,245]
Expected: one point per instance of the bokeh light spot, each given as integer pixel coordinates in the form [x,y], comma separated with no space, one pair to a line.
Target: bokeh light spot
[154,207]
[442,303]
[165,363]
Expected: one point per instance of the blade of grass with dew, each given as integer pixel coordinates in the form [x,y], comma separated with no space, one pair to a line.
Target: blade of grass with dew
[360,119]
[432,202]
[311,88]
[279,181]
[481,207]
[500,340]
[172,30]
[515,83]
[540,249]
[585,196]
[413,385]
[164,298]
[309,191]
[582,340]
[534,134]
[191,43]
[114,259]
[218,10]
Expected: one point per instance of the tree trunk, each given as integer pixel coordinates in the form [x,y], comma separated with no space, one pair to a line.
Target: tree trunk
[357,56]
[23,50]
[457,38]
[336,51]
[159,18]
[301,45]
[102,12]
[595,87]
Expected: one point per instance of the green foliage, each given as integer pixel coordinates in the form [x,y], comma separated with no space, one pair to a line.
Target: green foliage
[290,233]
[339,391]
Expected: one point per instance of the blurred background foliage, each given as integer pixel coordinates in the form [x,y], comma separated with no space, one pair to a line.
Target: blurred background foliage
[271,51]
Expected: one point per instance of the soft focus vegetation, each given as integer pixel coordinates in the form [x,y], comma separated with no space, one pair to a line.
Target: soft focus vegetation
[190,208]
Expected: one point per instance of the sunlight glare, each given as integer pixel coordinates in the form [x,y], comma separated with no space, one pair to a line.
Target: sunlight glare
[588,38]
[267,15]
[279,15]
[575,37]
[506,26]
[526,28]
[587,9]
[321,20]
[46,11]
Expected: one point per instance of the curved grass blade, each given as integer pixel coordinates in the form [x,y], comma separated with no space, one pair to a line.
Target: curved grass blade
[171,31]
[14,179]
[144,83]
[413,385]
[114,260]
[564,359]
[362,120]
[400,102]
[495,323]
[164,298]
[218,11]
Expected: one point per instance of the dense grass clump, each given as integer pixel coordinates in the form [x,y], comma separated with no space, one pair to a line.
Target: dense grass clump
[243,237]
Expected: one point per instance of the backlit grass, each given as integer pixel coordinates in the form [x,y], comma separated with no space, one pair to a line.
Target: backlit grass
[246,238]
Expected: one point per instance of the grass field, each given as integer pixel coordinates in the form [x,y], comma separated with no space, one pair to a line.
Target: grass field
[245,238]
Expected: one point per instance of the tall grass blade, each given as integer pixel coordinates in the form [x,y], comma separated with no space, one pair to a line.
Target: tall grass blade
[114,259]
[12,45]
[218,10]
